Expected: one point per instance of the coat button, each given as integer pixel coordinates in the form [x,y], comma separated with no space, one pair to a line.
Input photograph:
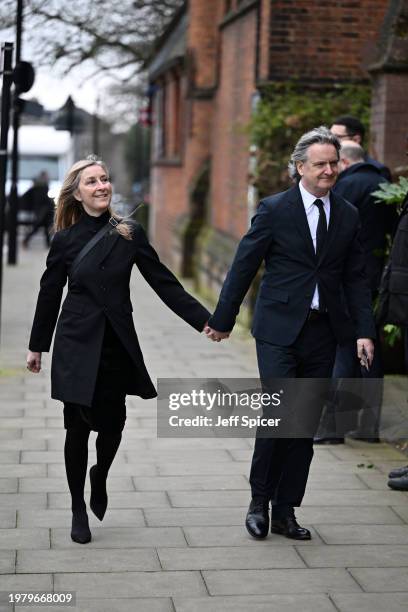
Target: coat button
[102,267]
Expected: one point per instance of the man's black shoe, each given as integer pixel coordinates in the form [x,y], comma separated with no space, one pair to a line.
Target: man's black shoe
[358,435]
[289,527]
[399,484]
[398,472]
[328,441]
[257,518]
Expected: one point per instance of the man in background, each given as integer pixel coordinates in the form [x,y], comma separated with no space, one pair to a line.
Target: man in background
[37,200]
[347,127]
[357,180]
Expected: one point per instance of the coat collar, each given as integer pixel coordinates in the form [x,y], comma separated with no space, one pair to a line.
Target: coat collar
[106,244]
[299,215]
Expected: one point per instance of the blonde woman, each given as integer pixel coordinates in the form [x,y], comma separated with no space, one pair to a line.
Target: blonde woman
[97,358]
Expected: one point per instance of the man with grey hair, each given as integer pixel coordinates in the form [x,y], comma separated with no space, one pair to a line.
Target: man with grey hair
[312,296]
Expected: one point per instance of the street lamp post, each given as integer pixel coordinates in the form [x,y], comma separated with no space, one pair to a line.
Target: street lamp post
[13,198]
[7,74]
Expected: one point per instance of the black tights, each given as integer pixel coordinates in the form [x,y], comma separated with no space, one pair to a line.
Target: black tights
[76,460]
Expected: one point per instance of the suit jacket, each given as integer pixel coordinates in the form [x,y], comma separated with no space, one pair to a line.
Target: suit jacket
[280,236]
[99,289]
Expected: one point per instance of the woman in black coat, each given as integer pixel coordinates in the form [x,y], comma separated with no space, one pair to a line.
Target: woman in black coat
[96,358]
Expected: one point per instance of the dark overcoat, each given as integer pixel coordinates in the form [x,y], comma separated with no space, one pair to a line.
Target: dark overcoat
[356,184]
[99,289]
[280,236]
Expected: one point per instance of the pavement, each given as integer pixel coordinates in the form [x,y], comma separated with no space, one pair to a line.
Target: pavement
[173,538]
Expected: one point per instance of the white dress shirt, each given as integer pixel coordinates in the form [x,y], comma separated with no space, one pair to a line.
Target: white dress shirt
[312,215]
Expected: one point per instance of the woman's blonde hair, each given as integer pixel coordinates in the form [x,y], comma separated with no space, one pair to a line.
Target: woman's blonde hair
[68,210]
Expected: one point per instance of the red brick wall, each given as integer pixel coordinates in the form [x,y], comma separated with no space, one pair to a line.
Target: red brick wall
[202,40]
[389,119]
[232,112]
[311,39]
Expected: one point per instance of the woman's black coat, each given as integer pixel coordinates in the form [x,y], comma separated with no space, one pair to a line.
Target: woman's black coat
[99,289]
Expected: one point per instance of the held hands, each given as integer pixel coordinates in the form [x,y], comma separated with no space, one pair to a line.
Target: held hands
[214,335]
[365,352]
[33,362]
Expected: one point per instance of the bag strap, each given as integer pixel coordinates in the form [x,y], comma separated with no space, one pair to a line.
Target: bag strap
[89,245]
[111,224]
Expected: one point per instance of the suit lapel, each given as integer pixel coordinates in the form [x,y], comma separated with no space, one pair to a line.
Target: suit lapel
[300,219]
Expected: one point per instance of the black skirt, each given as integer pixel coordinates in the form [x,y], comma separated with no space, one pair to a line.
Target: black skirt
[108,411]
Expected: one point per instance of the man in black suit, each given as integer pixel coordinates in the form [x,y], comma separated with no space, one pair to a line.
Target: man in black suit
[313,295]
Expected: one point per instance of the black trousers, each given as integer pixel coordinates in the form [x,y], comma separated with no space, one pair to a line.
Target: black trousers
[280,466]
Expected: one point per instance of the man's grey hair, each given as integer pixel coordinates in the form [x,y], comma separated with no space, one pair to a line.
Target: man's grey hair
[319,135]
[352,151]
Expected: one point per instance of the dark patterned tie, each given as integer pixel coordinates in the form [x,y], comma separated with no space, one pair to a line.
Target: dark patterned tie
[321,234]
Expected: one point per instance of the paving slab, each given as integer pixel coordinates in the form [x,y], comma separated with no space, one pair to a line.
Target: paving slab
[209,499]
[363,534]
[49,518]
[381,579]
[140,604]
[8,485]
[7,518]
[134,584]
[23,583]
[49,484]
[366,452]
[190,483]
[349,515]
[7,562]
[401,511]
[138,499]
[354,498]
[80,560]
[15,501]
[198,468]
[17,538]
[18,423]
[20,470]
[256,603]
[10,434]
[262,582]
[9,456]
[156,517]
[185,455]
[218,557]
[353,555]
[123,537]
[24,444]
[367,602]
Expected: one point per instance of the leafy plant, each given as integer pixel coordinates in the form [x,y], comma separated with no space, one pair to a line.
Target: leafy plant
[392,193]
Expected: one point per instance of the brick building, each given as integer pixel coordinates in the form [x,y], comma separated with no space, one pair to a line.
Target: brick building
[206,73]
